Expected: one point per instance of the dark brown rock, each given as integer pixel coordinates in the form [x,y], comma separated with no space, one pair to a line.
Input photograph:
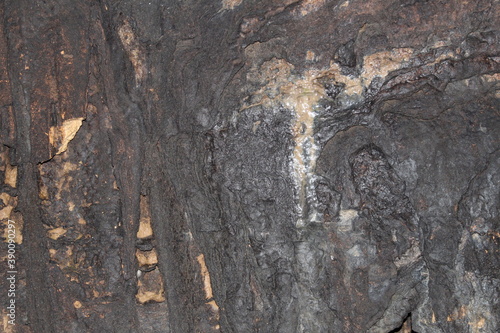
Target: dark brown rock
[248,166]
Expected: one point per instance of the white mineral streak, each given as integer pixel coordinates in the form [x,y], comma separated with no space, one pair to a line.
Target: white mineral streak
[301,97]
[302,94]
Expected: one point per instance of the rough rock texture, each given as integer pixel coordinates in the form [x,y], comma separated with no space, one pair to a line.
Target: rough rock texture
[251,166]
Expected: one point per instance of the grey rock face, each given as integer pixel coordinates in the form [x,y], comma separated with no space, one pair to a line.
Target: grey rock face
[253,166]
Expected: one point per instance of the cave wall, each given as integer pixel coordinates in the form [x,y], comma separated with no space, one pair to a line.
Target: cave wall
[251,166]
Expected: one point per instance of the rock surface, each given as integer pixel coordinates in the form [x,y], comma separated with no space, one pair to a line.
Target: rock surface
[251,166]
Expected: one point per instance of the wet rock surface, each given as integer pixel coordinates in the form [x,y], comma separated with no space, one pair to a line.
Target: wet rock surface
[249,166]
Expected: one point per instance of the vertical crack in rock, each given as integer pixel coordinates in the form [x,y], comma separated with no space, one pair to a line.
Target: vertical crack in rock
[207,286]
[145,230]
[150,287]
